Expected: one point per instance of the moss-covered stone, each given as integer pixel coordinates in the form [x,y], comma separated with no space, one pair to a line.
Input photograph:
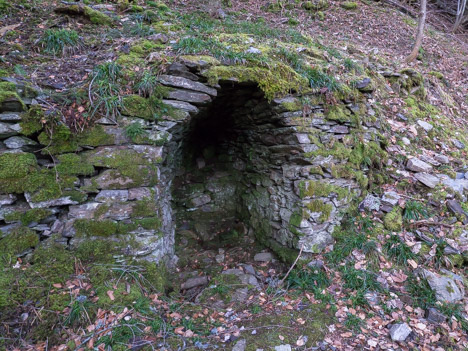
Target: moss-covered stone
[393,220]
[321,189]
[17,242]
[34,215]
[44,185]
[349,5]
[14,168]
[315,5]
[131,60]
[93,228]
[97,17]
[95,136]
[144,47]
[9,97]
[73,164]
[31,122]
[144,208]
[319,206]
[410,82]
[17,165]
[19,173]
[338,113]
[137,106]
[60,140]
[277,80]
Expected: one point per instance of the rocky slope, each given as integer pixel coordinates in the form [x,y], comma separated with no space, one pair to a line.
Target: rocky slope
[161,168]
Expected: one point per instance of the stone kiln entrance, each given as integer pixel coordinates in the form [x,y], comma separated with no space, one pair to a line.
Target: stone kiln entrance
[220,189]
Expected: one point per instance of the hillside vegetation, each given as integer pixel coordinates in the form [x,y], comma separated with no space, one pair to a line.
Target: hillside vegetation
[395,276]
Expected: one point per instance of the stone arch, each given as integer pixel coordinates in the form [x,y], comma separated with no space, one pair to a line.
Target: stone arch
[239,161]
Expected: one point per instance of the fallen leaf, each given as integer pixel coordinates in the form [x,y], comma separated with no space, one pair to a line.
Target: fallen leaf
[300,342]
[57,285]
[281,337]
[110,293]
[5,29]
[421,326]
[188,334]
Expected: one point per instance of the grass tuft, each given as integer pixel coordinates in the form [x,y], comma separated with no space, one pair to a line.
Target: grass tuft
[308,279]
[61,42]
[104,90]
[145,84]
[398,250]
[357,279]
[422,294]
[134,130]
[414,211]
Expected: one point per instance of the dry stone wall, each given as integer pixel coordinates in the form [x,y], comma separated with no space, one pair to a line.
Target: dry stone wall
[224,159]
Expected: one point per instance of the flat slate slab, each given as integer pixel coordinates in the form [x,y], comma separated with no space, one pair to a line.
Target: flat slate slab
[184,83]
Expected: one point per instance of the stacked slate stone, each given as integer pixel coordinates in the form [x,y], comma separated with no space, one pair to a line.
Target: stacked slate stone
[280,169]
[71,188]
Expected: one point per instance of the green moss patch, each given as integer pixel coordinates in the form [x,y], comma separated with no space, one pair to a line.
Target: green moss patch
[31,122]
[16,165]
[34,215]
[17,242]
[137,106]
[273,81]
[73,164]
[349,5]
[62,140]
[319,206]
[393,220]
[321,189]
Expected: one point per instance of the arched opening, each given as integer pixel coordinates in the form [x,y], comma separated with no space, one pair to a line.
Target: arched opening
[220,165]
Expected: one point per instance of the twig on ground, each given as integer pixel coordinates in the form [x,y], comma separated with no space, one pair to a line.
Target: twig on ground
[292,266]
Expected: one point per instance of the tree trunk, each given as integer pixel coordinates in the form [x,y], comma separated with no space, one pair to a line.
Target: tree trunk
[460,11]
[420,33]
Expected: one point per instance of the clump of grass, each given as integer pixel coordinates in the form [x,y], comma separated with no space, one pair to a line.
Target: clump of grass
[122,334]
[455,310]
[353,322]
[139,29]
[440,258]
[415,210]
[398,250]
[360,280]
[61,41]
[351,66]
[104,90]
[317,78]
[134,130]
[353,235]
[145,84]
[78,312]
[256,309]
[419,289]
[308,279]
[4,6]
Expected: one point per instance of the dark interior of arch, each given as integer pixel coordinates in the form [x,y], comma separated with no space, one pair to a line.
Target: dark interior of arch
[222,187]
